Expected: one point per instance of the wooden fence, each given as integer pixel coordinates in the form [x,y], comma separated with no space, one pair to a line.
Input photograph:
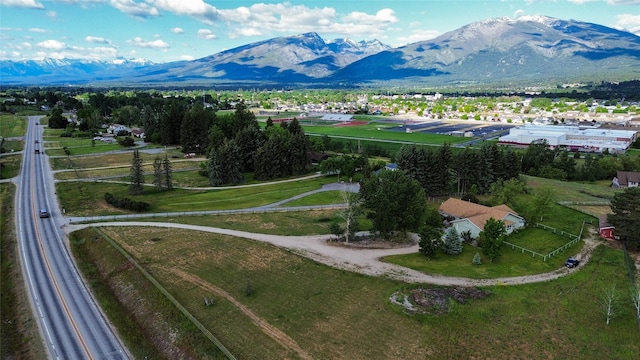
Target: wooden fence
[574,239]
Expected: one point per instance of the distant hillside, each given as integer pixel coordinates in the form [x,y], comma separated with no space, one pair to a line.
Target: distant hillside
[501,51]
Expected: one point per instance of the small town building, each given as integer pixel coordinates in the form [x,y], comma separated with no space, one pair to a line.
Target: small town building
[573,138]
[605,230]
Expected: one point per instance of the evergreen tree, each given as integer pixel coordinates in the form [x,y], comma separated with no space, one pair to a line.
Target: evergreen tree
[224,165]
[249,140]
[442,169]
[452,242]
[136,175]
[193,136]
[170,123]
[243,118]
[158,177]
[491,238]
[465,168]
[511,164]
[167,172]
[272,160]
[486,166]
[430,240]
[625,216]
[215,138]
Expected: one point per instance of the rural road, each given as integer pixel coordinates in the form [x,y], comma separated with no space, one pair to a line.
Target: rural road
[364,261]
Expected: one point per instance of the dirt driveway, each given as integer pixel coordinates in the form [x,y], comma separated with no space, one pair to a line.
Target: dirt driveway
[364,261]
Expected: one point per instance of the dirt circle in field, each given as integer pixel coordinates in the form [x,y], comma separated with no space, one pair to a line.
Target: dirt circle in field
[435,301]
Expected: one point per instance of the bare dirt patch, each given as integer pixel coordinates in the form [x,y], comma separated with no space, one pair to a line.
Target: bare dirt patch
[435,301]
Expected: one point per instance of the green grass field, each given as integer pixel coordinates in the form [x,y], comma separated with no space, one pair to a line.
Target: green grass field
[376,131]
[12,125]
[10,166]
[574,191]
[87,198]
[334,314]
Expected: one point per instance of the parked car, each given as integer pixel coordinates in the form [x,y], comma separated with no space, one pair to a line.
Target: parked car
[572,262]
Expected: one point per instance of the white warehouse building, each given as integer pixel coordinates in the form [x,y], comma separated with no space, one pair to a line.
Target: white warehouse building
[573,138]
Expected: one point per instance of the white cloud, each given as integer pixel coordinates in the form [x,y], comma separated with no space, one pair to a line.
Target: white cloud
[187,57]
[52,14]
[629,22]
[177,30]
[141,10]
[262,19]
[623,2]
[518,13]
[39,30]
[197,9]
[97,40]
[154,44]
[580,2]
[51,45]
[206,34]
[31,4]
[418,35]
[76,52]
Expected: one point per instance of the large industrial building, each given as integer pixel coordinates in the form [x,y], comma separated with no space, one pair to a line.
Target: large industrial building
[573,138]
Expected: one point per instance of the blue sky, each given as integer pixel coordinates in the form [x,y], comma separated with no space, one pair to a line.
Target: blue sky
[170,30]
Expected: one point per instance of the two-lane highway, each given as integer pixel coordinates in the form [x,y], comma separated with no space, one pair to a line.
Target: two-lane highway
[72,325]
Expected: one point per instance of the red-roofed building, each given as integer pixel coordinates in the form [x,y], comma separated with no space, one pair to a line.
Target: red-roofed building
[605,230]
[471,217]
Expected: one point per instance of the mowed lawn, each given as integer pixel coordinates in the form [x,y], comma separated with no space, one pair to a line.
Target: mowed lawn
[335,314]
[87,198]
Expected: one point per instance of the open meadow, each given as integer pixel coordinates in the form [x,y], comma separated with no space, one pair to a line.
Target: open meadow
[297,308]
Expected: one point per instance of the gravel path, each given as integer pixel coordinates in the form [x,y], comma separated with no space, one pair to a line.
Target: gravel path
[364,261]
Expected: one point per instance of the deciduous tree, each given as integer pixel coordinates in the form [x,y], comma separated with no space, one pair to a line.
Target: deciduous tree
[395,202]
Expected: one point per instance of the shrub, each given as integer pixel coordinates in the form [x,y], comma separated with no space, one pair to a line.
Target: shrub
[452,242]
[126,203]
[477,260]
[127,141]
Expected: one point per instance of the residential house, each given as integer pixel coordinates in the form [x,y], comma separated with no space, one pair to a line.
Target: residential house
[628,179]
[605,229]
[116,128]
[471,217]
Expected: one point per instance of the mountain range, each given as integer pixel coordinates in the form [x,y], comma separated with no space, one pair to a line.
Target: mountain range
[499,51]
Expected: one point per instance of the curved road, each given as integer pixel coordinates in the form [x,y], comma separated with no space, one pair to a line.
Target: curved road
[364,261]
[72,325]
